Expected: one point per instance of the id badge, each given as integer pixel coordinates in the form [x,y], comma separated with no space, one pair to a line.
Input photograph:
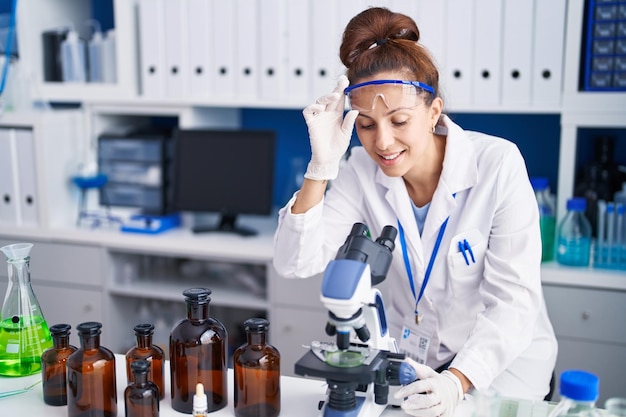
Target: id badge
[414,344]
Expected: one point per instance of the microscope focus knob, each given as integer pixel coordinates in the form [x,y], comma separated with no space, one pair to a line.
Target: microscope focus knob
[406,374]
[400,373]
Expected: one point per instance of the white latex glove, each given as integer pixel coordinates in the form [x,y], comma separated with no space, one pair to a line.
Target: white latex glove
[432,394]
[329,132]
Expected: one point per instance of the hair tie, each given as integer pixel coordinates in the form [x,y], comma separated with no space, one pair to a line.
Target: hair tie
[378,43]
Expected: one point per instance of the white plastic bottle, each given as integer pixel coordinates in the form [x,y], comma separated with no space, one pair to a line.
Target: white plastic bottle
[109,63]
[95,55]
[73,58]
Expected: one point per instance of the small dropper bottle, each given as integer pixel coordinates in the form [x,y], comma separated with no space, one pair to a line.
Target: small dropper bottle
[200,403]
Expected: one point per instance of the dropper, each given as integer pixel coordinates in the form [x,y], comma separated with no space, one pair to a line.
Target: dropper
[200,404]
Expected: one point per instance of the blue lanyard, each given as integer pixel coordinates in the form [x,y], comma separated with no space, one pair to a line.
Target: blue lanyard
[407,263]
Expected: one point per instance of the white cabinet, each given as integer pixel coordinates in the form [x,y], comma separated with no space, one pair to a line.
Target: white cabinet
[590,331]
[297,317]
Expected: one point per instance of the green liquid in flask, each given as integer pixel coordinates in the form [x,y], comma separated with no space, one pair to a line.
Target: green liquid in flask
[22,341]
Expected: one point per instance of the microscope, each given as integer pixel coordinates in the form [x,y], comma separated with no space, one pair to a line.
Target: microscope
[363,364]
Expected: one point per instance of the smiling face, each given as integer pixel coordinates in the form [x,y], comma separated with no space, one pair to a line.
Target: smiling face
[396,129]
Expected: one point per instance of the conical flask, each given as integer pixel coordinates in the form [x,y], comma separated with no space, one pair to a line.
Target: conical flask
[24,333]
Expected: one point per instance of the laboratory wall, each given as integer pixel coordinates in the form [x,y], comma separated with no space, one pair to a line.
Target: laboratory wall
[537,136]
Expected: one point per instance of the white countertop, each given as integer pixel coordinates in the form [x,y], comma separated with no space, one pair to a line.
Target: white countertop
[299,397]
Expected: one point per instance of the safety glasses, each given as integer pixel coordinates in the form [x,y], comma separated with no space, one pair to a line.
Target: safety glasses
[395,94]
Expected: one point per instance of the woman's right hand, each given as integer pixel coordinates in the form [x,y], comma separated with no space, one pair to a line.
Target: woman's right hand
[329,132]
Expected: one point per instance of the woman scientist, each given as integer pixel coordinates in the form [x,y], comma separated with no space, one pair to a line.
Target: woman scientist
[465,298]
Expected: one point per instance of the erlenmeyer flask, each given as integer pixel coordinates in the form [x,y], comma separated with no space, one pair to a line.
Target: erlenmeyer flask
[24,333]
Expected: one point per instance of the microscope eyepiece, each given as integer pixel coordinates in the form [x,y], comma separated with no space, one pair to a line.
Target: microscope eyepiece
[387,237]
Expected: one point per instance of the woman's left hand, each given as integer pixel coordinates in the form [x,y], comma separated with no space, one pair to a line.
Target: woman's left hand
[432,394]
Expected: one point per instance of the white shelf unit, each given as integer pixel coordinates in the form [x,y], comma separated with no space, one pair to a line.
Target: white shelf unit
[291,36]
[36,16]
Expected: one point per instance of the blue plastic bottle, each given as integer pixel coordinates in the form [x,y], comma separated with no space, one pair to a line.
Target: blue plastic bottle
[574,235]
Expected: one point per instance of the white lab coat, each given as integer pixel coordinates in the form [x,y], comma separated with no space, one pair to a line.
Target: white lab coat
[490,314]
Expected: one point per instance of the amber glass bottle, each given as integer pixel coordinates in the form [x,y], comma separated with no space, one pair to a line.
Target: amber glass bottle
[198,346]
[257,373]
[53,365]
[146,350]
[141,396]
[91,385]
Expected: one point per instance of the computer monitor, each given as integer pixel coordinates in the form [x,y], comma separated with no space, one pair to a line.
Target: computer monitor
[230,172]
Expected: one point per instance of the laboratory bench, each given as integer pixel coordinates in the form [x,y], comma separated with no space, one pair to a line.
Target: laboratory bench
[299,398]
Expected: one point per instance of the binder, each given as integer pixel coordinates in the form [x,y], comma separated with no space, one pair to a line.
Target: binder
[548,45]
[247,49]
[272,66]
[27,178]
[457,74]
[9,207]
[223,38]
[299,34]
[151,48]
[431,23]
[175,41]
[517,52]
[326,65]
[487,74]
[199,48]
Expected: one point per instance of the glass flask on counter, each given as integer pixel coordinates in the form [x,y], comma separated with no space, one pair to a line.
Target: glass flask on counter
[256,373]
[91,382]
[24,332]
[198,347]
[54,364]
[146,350]
[141,396]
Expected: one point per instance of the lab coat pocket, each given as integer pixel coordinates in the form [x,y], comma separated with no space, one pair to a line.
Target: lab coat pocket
[466,261]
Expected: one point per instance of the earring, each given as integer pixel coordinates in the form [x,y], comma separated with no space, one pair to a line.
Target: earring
[432,130]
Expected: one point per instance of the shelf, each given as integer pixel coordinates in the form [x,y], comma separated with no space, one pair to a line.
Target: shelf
[554,274]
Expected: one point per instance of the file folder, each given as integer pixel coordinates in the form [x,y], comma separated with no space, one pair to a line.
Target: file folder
[174,26]
[272,53]
[548,46]
[431,23]
[223,38]
[487,74]
[8,179]
[151,48]
[326,66]
[299,34]
[28,196]
[458,73]
[247,49]
[199,48]
[517,52]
